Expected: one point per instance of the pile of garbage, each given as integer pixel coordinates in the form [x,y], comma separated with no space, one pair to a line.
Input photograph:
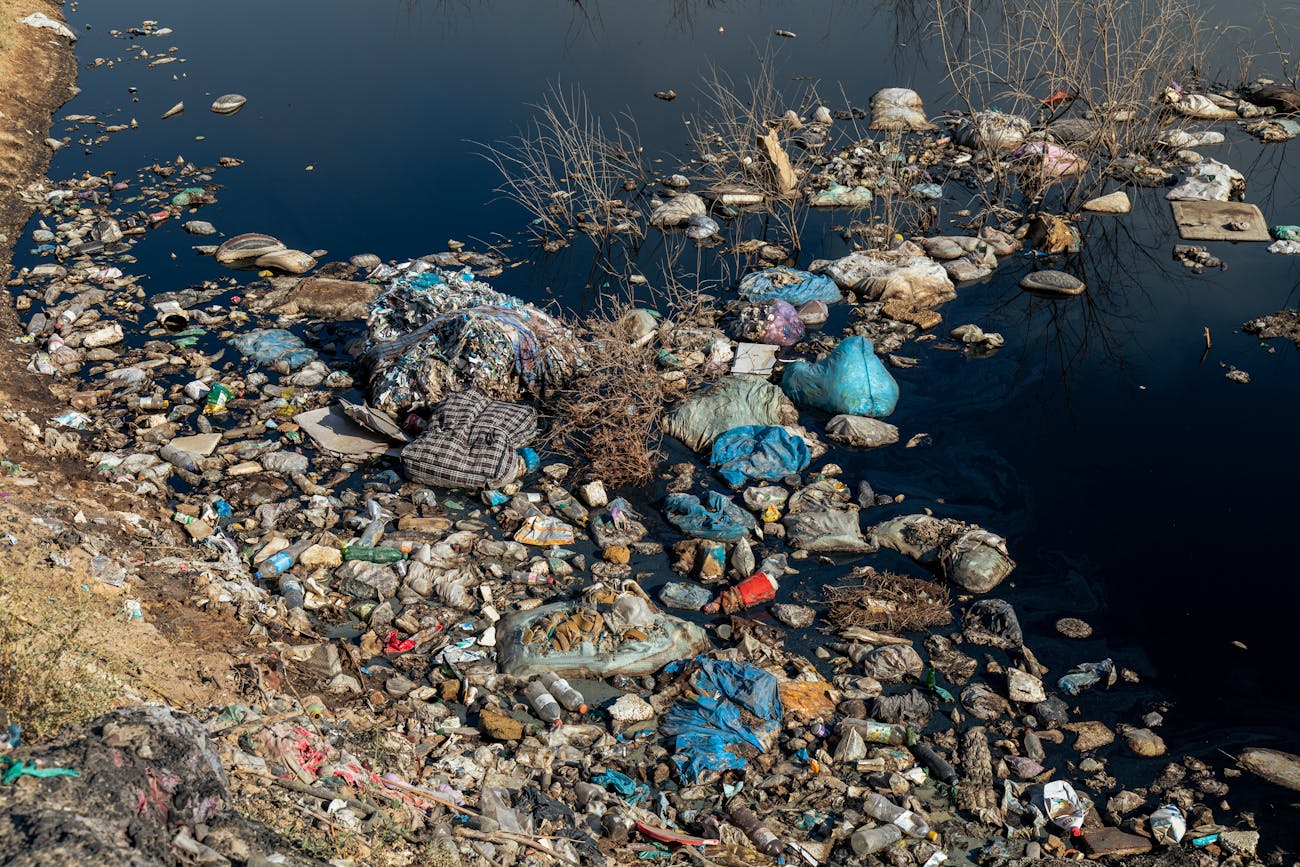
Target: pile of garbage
[508,625]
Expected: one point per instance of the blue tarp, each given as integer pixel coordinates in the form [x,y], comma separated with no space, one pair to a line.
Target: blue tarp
[851,380]
[272,346]
[703,729]
[763,452]
[789,284]
[716,517]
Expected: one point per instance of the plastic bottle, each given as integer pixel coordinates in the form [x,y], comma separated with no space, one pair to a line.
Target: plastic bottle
[874,732]
[179,458]
[69,316]
[542,702]
[1063,806]
[939,768]
[564,693]
[148,403]
[754,590]
[879,807]
[868,840]
[372,534]
[290,589]
[282,561]
[764,840]
[372,554]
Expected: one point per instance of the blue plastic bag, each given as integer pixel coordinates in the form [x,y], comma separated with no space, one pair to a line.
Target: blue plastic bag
[716,517]
[704,729]
[851,380]
[767,453]
[274,346]
[789,284]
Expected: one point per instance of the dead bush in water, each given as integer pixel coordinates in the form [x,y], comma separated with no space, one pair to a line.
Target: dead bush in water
[607,417]
[1103,62]
[568,172]
[736,135]
[889,601]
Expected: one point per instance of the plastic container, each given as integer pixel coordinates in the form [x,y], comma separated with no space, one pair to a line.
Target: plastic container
[282,561]
[372,554]
[1063,806]
[542,702]
[754,590]
[939,768]
[874,732]
[179,458]
[865,841]
[881,808]
[1168,825]
[764,840]
[564,693]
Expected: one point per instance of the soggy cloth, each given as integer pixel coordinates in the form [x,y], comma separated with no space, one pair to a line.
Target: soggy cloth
[274,347]
[705,729]
[733,401]
[471,442]
[850,381]
[790,285]
[437,332]
[766,453]
[716,517]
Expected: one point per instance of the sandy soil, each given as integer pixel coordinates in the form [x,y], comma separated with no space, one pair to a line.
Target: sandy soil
[179,654]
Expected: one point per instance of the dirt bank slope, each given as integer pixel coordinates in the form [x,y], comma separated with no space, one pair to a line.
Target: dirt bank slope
[38,73]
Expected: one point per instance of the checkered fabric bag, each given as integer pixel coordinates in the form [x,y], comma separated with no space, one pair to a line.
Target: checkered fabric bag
[471,442]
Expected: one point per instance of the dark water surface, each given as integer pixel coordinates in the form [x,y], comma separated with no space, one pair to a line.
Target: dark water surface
[1137,486]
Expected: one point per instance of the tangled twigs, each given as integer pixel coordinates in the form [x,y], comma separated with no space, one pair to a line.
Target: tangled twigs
[886,599]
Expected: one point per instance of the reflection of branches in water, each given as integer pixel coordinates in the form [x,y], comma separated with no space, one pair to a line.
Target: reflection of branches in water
[1105,320]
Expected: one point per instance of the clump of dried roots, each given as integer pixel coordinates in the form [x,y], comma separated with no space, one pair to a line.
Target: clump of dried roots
[889,601]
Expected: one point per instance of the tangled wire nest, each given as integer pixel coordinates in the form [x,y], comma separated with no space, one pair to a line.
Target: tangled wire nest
[889,601]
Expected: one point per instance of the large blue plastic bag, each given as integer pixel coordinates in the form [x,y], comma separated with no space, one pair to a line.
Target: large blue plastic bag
[274,346]
[851,380]
[705,728]
[789,284]
[715,518]
[765,452]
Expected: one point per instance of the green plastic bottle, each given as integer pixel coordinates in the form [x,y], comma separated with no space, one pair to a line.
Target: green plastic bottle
[372,554]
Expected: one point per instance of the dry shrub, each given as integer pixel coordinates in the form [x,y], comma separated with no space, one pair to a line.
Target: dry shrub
[570,169]
[607,417]
[1113,58]
[52,673]
[886,600]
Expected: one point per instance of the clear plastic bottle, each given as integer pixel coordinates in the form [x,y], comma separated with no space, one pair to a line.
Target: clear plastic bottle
[564,693]
[282,561]
[542,702]
[874,732]
[868,840]
[881,808]
[179,458]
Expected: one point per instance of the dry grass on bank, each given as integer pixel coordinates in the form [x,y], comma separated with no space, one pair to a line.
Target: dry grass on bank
[53,671]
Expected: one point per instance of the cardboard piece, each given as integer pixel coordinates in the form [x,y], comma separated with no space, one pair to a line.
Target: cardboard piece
[1207,221]
[334,432]
[756,358]
[198,444]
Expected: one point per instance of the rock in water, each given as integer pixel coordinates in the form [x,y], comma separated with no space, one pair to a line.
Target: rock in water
[1273,765]
[229,103]
[1052,284]
[1144,742]
[174,110]
[1111,203]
